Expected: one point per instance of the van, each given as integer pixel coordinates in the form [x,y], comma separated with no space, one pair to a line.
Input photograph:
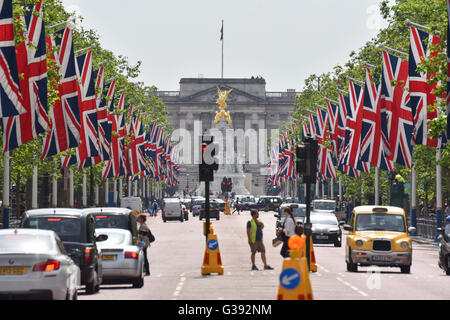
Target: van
[132,203]
[172,210]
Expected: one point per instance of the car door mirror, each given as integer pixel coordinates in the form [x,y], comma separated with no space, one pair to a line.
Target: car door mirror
[348,227]
[412,230]
[341,223]
[101,238]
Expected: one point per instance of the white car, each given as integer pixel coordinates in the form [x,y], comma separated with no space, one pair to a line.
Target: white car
[172,210]
[35,265]
[122,261]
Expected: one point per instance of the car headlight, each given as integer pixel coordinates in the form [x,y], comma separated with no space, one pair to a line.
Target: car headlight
[359,243]
[404,245]
[334,230]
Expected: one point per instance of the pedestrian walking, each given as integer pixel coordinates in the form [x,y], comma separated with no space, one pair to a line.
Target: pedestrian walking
[287,231]
[145,236]
[155,208]
[447,210]
[237,207]
[255,239]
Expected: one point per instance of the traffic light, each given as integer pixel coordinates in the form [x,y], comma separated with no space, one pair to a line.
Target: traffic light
[223,185]
[229,185]
[209,164]
[307,155]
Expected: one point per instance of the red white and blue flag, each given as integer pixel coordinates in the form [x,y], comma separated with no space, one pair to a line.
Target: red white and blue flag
[372,150]
[32,66]
[422,97]
[64,131]
[396,114]
[12,102]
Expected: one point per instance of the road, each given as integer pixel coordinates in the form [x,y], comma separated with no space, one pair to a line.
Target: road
[177,254]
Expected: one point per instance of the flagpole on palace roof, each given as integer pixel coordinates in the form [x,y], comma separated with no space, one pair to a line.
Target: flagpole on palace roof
[221,38]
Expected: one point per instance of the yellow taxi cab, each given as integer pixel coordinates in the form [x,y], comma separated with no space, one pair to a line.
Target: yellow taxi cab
[378,235]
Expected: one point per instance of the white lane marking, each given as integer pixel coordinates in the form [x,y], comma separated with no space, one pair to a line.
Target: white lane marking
[352,287]
[180,284]
[323,268]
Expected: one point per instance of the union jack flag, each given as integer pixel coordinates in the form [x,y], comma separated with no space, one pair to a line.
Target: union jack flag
[421,91]
[115,167]
[89,145]
[396,115]
[372,150]
[136,148]
[104,126]
[12,102]
[353,123]
[32,65]
[64,131]
[326,164]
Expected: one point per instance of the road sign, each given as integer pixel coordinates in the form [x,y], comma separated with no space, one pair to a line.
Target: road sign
[290,279]
[213,244]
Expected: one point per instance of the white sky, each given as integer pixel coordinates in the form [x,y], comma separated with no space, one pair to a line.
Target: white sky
[283,41]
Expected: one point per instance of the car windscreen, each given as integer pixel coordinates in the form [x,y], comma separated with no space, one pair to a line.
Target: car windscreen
[20,243]
[111,221]
[299,212]
[380,222]
[320,219]
[324,205]
[68,229]
[248,200]
[198,202]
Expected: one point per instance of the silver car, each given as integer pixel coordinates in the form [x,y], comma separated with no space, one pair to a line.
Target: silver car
[122,261]
[35,265]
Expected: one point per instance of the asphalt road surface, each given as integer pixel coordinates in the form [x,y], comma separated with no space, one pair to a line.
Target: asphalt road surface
[176,258]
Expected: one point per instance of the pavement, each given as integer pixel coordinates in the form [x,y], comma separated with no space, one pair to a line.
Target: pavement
[177,254]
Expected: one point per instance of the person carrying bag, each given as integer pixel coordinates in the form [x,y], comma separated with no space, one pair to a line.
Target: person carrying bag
[289,229]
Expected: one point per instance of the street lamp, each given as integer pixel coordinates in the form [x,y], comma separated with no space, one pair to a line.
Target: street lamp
[187,184]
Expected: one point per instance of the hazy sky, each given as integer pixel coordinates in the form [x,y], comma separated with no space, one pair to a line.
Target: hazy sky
[283,41]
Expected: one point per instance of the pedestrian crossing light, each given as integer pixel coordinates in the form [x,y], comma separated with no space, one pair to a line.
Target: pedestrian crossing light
[224,185]
[229,185]
[209,162]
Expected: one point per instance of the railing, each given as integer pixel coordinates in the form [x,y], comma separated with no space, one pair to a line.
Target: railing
[286,95]
[427,227]
[167,93]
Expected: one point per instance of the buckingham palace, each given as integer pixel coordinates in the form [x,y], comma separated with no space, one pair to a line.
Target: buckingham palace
[250,107]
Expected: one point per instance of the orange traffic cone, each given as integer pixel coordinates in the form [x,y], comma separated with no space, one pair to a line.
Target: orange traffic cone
[313,265]
[212,261]
[294,279]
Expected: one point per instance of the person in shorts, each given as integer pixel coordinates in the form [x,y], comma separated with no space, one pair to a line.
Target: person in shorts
[255,239]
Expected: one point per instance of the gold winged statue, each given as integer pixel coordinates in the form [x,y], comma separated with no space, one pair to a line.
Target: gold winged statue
[221,101]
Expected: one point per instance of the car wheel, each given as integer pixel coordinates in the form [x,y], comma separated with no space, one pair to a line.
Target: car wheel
[447,271]
[352,267]
[218,218]
[406,269]
[338,244]
[91,286]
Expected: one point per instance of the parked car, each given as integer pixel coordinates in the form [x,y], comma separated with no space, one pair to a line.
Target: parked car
[299,211]
[196,205]
[214,212]
[35,265]
[117,218]
[444,249]
[77,231]
[326,228]
[172,210]
[267,203]
[123,261]
[378,235]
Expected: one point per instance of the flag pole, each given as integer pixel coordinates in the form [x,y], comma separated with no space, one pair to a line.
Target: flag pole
[6,189]
[221,38]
